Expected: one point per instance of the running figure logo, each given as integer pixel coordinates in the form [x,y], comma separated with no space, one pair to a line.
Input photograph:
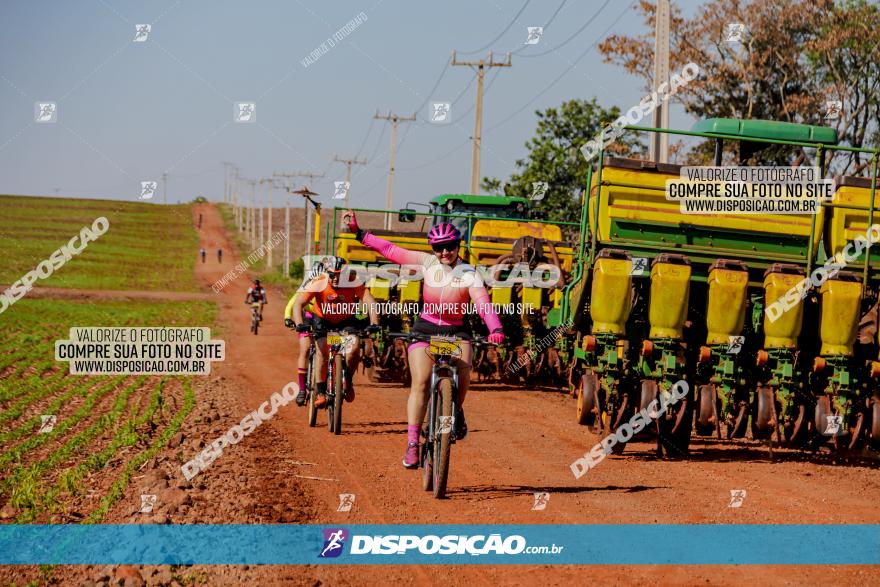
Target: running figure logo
[735,32]
[47,424]
[147,503]
[341,191]
[833,425]
[148,189]
[541,500]
[539,188]
[640,266]
[346,500]
[833,109]
[245,112]
[735,345]
[334,541]
[446,424]
[142,31]
[46,112]
[440,112]
[534,34]
[737,496]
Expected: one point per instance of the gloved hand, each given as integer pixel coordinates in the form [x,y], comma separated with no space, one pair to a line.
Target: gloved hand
[497,336]
[288,323]
[373,328]
[302,328]
[350,219]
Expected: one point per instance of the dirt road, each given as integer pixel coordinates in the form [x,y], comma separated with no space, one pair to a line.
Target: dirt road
[520,442]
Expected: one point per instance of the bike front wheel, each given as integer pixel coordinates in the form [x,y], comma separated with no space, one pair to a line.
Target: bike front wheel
[444,428]
[335,414]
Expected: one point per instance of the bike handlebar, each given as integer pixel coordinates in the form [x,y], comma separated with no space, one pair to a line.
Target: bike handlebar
[417,337]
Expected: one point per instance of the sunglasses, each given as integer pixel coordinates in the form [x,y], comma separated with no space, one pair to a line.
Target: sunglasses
[439,248]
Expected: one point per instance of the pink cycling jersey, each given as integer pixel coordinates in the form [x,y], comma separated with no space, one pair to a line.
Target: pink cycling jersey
[447,290]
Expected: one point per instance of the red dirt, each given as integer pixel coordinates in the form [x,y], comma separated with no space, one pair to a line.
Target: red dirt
[520,442]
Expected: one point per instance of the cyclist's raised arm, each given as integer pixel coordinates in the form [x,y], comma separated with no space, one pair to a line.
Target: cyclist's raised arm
[394,253]
[387,249]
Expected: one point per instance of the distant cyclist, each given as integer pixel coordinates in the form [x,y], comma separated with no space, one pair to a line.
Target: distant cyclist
[256,294]
[219,255]
[443,314]
[202,252]
[320,304]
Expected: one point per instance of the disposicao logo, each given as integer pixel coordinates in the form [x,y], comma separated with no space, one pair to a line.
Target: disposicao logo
[334,542]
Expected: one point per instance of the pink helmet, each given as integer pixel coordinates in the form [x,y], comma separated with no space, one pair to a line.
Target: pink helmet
[443,233]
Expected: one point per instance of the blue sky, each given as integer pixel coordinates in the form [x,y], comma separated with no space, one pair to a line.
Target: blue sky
[130,111]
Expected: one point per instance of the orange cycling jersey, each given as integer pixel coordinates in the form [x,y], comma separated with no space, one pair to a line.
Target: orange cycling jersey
[333,304]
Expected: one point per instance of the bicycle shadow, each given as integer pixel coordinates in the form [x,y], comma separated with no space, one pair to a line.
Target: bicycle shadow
[501,491]
[710,449]
[374,428]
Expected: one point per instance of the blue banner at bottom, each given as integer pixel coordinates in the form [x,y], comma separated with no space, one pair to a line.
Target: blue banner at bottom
[625,544]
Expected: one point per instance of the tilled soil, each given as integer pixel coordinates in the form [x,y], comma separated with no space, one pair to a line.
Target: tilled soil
[520,442]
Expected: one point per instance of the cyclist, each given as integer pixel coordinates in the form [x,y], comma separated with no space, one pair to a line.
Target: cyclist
[202,253]
[256,294]
[318,268]
[443,314]
[219,255]
[330,307]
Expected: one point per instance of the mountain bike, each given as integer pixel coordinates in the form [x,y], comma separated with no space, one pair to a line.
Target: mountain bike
[255,317]
[442,405]
[337,374]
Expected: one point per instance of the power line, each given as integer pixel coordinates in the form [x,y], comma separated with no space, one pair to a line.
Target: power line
[569,68]
[501,34]
[571,38]
[438,159]
[366,136]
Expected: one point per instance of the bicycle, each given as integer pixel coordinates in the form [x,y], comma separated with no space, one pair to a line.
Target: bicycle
[255,317]
[337,374]
[442,406]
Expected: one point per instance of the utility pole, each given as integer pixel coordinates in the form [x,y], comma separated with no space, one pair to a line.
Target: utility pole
[234,195]
[252,225]
[480,66]
[164,188]
[389,198]
[269,184]
[348,164]
[311,177]
[287,177]
[262,202]
[227,192]
[660,140]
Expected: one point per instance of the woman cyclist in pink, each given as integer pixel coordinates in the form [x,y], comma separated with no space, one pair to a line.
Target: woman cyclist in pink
[449,286]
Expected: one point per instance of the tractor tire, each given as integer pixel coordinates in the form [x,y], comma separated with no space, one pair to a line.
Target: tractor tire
[764,416]
[588,407]
[874,424]
[707,410]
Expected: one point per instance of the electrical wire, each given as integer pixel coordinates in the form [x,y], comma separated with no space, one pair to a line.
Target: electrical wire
[569,68]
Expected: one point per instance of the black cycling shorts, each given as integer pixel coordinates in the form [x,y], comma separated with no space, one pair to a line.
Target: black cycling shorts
[427,328]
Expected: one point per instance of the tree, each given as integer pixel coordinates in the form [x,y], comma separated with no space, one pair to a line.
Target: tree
[554,157]
[796,56]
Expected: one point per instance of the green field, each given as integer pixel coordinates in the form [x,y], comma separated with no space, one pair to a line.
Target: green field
[147,247]
[107,426]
